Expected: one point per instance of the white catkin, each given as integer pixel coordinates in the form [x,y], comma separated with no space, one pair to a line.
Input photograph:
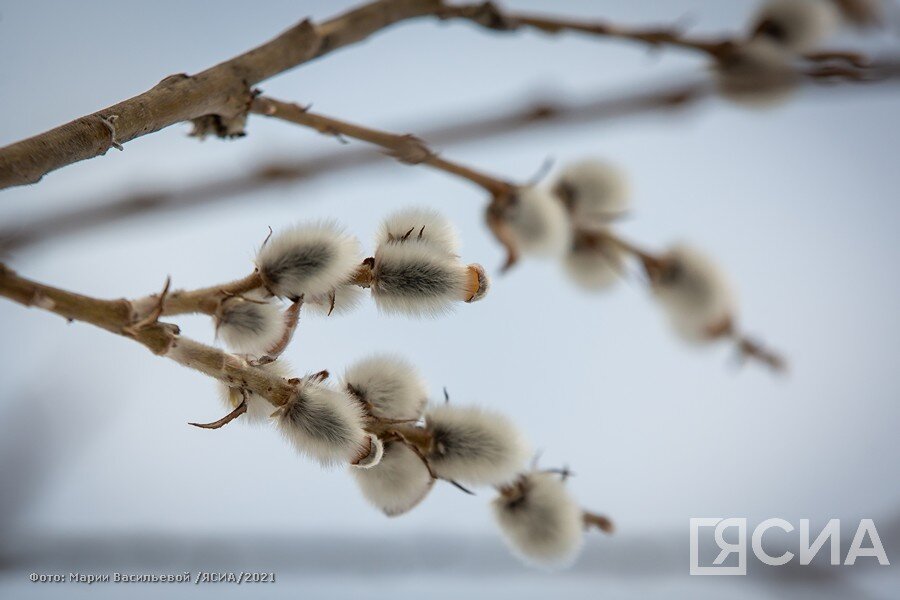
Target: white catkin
[757,74]
[414,279]
[695,293]
[398,483]
[323,423]
[390,385]
[308,260]
[259,410]
[796,25]
[540,521]
[346,297]
[475,446]
[423,224]
[594,191]
[539,222]
[595,267]
[250,324]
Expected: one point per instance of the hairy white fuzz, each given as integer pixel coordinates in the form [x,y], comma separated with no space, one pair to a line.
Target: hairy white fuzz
[595,192]
[796,25]
[414,279]
[324,424]
[308,260]
[757,74]
[423,224]
[391,387]
[539,520]
[250,324]
[694,292]
[341,300]
[398,483]
[594,264]
[259,410]
[474,446]
[539,222]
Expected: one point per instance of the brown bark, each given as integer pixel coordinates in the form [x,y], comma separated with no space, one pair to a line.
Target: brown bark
[223,90]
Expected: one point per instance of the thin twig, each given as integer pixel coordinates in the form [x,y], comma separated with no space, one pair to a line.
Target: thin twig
[407,148]
[489,15]
[277,172]
[238,411]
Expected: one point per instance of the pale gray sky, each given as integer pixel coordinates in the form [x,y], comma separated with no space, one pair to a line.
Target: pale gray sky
[797,203]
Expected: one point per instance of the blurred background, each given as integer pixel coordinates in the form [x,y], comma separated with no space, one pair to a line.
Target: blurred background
[101,473]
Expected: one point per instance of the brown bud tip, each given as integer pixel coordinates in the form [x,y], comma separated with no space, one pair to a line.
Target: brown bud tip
[478,283]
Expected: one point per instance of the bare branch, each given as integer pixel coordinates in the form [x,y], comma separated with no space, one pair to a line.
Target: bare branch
[491,16]
[118,317]
[554,112]
[406,148]
[223,91]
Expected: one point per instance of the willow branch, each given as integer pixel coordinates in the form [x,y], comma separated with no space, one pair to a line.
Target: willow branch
[665,98]
[407,148]
[223,91]
[85,216]
[653,265]
[203,300]
[217,99]
[163,339]
[491,16]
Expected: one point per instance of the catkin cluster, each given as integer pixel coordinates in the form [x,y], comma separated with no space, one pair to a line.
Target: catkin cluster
[376,417]
[571,219]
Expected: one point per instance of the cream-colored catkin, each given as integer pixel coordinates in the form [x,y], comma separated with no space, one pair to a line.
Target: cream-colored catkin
[539,519]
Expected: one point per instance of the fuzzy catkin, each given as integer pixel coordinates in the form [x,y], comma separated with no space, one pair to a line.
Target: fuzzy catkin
[538,222]
[594,191]
[398,483]
[796,25]
[473,445]
[341,300]
[595,265]
[323,423]
[414,279]
[390,386]
[420,224]
[308,260]
[694,292]
[250,324]
[539,520]
[757,74]
[259,410]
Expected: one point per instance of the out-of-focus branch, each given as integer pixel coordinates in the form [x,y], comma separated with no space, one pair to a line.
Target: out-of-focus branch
[654,265]
[274,173]
[554,112]
[491,16]
[221,93]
